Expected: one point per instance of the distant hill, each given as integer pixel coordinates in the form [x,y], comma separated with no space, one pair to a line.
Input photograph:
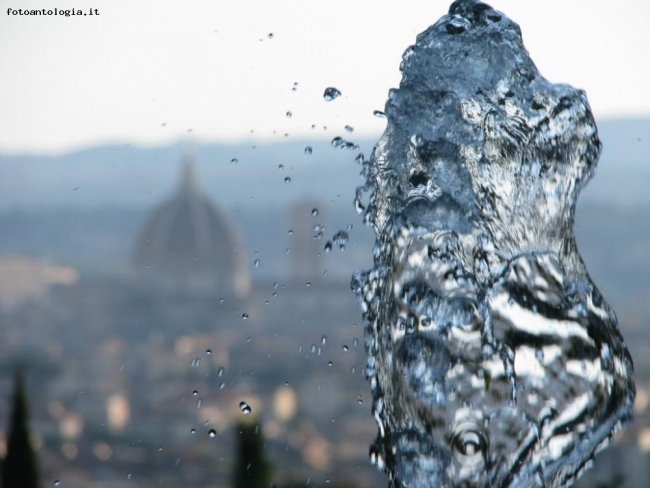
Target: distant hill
[139,177]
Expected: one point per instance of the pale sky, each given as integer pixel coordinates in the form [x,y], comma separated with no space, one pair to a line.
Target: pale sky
[208,70]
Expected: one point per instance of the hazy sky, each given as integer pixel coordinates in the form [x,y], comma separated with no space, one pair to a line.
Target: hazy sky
[152,72]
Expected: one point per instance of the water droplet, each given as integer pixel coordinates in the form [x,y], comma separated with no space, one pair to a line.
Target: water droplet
[212,433]
[314,212]
[234,161]
[287,179]
[257,263]
[244,316]
[328,246]
[245,408]
[360,158]
[57,483]
[195,392]
[359,400]
[331,93]
[280,166]
[220,372]
[208,351]
[345,347]
[222,385]
[270,35]
[349,128]
[323,340]
[379,113]
[330,363]
[196,362]
[308,150]
[192,431]
[289,114]
[199,402]
[341,239]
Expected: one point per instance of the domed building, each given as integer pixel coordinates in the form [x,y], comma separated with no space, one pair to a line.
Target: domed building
[188,245]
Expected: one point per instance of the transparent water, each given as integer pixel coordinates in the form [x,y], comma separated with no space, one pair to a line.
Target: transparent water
[493,359]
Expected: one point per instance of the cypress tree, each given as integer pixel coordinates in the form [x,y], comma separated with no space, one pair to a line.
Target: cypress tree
[19,469]
[252,469]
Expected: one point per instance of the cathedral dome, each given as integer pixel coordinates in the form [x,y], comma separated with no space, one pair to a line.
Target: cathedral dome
[187,244]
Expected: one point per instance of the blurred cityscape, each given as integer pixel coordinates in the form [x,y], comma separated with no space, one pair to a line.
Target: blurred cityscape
[148,333]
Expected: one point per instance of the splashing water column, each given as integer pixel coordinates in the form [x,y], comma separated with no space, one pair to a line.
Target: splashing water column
[493,359]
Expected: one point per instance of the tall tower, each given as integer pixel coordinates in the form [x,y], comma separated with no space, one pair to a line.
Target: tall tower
[188,245]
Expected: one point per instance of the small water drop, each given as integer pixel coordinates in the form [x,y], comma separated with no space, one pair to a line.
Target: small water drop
[245,408]
[289,114]
[314,212]
[234,161]
[270,35]
[257,263]
[345,347]
[192,431]
[349,128]
[57,483]
[308,150]
[280,166]
[196,362]
[195,393]
[328,246]
[323,340]
[244,316]
[220,372]
[212,433]
[331,93]
[379,113]
[208,351]
[287,179]
[341,239]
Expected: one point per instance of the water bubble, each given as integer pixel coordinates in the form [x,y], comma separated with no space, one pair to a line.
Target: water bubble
[341,239]
[234,161]
[212,433]
[308,150]
[331,93]
[192,431]
[244,316]
[270,35]
[280,166]
[349,128]
[379,113]
[345,347]
[318,231]
[208,351]
[330,363]
[323,340]
[314,348]
[245,408]
[195,393]
[257,263]
[314,212]
[289,114]
[287,179]
[328,246]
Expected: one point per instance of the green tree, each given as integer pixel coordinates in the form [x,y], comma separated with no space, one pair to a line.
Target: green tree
[252,469]
[20,467]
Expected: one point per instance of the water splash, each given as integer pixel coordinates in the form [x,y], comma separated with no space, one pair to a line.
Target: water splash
[493,359]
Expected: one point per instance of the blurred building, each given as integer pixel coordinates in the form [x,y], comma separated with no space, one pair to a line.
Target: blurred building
[189,245]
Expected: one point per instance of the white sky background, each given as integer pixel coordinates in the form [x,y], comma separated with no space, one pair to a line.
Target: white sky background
[209,66]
